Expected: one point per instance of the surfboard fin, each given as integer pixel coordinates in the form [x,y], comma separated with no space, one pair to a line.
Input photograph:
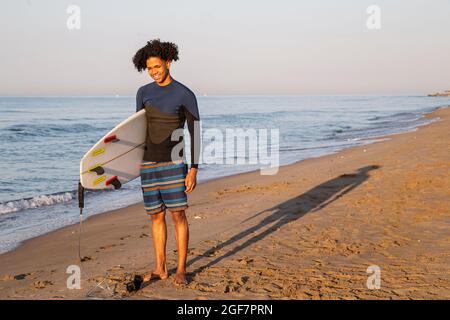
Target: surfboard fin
[115,182]
[98,170]
[112,138]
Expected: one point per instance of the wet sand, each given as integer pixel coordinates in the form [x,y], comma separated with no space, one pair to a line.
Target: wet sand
[309,232]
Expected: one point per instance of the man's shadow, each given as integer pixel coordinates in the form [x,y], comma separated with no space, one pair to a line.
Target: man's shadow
[312,200]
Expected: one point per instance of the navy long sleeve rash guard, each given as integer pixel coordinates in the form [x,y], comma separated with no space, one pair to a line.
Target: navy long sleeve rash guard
[167,108]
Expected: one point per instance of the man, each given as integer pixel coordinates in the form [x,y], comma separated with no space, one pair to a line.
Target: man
[165,180]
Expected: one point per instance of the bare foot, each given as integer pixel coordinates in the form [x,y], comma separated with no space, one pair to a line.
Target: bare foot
[180,278]
[155,275]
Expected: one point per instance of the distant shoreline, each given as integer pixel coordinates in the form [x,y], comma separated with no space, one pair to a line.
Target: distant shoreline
[445,93]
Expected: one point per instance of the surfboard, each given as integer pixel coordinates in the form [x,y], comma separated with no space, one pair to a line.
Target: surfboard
[116,158]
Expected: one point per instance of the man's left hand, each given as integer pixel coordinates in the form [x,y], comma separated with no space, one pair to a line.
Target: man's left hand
[191,180]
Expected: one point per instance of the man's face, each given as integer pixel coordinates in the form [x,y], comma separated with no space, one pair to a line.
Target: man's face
[158,69]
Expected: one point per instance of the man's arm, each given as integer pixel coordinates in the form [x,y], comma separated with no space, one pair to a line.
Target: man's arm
[139,100]
[192,117]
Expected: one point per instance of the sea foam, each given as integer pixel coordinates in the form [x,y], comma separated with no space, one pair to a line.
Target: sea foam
[35,202]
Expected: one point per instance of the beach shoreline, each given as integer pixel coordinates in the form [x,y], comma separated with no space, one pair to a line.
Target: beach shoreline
[372,139]
[218,253]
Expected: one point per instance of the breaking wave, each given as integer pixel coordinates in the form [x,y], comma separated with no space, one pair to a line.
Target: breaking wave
[36,202]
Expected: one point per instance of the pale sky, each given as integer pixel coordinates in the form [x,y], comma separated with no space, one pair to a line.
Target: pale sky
[227,47]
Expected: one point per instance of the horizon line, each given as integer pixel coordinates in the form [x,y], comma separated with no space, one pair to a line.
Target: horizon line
[416,93]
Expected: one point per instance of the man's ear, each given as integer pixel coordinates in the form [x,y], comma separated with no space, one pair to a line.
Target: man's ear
[168,62]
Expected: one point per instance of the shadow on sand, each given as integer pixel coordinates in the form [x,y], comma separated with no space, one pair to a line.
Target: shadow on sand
[311,201]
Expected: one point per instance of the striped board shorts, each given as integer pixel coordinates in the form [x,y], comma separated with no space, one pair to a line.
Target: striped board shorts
[163,186]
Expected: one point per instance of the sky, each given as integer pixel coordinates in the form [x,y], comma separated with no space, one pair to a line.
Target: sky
[226,47]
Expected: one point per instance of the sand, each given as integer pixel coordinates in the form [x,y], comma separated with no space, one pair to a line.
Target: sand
[309,232]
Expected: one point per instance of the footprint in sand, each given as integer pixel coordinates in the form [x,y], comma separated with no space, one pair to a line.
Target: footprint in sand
[6,277]
[42,284]
[109,246]
[245,261]
[242,280]
[195,252]
[125,237]
[87,258]
[201,286]
[213,253]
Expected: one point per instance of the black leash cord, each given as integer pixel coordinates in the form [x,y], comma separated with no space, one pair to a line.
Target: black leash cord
[81,206]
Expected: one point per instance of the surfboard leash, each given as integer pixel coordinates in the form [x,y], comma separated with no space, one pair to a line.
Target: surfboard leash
[81,206]
[102,284]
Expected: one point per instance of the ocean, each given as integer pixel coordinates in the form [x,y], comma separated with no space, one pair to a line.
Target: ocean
[42,140]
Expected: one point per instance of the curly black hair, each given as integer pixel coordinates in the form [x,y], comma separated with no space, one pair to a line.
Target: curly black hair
[167,51]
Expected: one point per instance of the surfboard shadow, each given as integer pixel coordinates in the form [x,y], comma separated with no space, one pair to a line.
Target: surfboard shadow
[312,200]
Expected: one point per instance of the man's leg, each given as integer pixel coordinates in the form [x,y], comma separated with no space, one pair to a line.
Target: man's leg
[182,238]
[159,235]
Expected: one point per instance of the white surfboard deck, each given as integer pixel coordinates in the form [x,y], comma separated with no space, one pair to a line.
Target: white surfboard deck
[119,158]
